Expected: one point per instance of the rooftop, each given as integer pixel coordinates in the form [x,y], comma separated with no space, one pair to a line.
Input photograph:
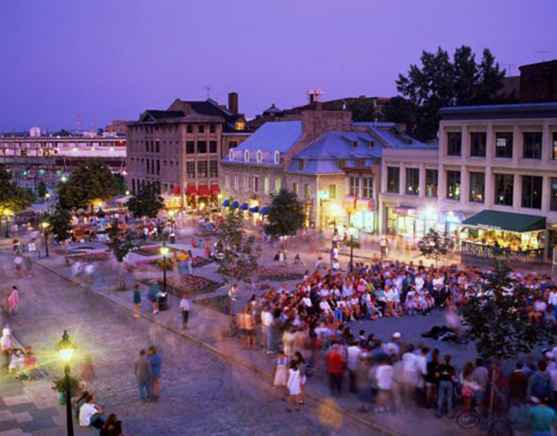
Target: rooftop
[500,111]
[272,136]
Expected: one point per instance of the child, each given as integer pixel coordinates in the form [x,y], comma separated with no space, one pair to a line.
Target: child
[281,371]
[294,386]
[17,360]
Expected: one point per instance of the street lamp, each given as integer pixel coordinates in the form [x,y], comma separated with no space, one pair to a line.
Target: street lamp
[45,225]
[164,253]
[66,350]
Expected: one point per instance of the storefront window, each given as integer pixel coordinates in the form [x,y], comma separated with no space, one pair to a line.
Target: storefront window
[504,144]
[393,180]
[412,181]
[431,177]
[504,189]
[453,185]
[363,220]
[532,192]
[477,144]
[477,187]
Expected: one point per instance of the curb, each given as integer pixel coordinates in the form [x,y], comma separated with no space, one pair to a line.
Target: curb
[231,359]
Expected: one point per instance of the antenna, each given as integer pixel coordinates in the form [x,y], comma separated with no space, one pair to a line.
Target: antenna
[208,91]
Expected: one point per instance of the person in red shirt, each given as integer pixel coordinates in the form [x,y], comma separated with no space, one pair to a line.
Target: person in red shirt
[335,368]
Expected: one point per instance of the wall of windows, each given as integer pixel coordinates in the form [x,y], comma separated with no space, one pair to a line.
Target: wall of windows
[190,169]
[532,192]
[453,185]
[477,187]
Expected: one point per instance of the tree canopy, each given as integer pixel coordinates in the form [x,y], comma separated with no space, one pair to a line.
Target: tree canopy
[90,181]
[286,215]
[441,81]
[147,203]
[13,199]
[60,223]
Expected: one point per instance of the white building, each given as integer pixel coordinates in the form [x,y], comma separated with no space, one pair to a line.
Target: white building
[35,132]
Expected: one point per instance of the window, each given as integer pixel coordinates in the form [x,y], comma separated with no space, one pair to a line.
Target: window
[246,155]
[266,186]
[553,202]
[532,192]
[301,164]
[158,167]
[201,147]
[190,147]
[202,168]
[431,180]
[157,147]
[307,192]
[236,182]
[478,141]
[212,128]
[354,188]
[258,156]
[255,184]
[189,128]
[147,148]
[367,187]
[212,146]
[532,145]
[295,188]
[213,168]
[201,128]
[412,181]
[393,179]
[554,148]
[477,187]
[454,143]
[453,185]
[278,184]
[332,192]
[277,157]
[227,182]
[148,164]
[190,169]
[504,189]
[504,144]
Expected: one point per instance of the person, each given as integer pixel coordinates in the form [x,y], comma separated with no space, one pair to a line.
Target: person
[480,376]
[112,426]
[6,345]
[384,382]
[153,296]
[445,392]
[383,246]
[136,301]
[267,321]
[353,353]
[335,369]
[431,379]
[142,371]
[280,377]
[185,307]
[155,368]
[302,367]
[468,385]
[13,301]
[542,417]
[90,414]
[539,383]
[28,265]
[294,386]
[518,383]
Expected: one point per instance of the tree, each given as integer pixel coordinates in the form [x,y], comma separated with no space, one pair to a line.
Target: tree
[13,199]
[120,245]
[60,223]
[90,181]
[440,82]
[286,215]
[120,186]
[238,255]
[434,245]
[41,189]
[147,203]
[402,111]
[496,317]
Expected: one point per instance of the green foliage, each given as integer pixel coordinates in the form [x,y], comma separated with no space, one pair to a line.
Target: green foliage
[60,223]
[239,257]
[59,385]
[441,82]
[286,215]
[401,111]
[496,318]
[120,244]
[90,181]
[120,186]
[147,203]
[12,197]
[41,189]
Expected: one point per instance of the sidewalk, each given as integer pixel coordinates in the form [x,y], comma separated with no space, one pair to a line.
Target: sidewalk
[208,328]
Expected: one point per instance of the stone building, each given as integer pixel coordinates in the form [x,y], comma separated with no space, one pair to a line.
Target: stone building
[178,150]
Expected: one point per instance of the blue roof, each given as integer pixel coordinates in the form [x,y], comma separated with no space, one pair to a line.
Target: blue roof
[273,135]
[341,145]
[395,139]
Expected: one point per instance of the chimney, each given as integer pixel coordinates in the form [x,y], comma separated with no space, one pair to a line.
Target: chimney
[314,95]
[233,102]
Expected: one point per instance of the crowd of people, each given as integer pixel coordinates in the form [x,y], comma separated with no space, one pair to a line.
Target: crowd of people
[308,327]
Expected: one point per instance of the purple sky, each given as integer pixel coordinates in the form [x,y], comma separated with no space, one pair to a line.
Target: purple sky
[64,60]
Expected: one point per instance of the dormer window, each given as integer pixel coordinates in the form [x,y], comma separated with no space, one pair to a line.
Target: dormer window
[246,155]
[259,156]
[301,164]
[231,154]
[277,157]
[370,144]
[354,144]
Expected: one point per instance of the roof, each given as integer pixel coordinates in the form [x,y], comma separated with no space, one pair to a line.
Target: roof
[341,145]
[513,222]
[500,111]
[272,136]
[393,138]
[162,115]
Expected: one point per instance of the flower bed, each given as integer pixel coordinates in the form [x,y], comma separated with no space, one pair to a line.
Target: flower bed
[199,261]
[191,284]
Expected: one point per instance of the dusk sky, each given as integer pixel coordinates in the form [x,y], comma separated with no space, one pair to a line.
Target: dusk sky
[111,59]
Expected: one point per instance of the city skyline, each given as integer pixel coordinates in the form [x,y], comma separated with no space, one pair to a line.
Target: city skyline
[88,64]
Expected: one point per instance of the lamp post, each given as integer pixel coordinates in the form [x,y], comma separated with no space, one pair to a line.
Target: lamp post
[65,350]
[164,253]
[45,225]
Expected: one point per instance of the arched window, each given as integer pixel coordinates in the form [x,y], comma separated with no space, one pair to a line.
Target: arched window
[246,155]
[277,157]
[259,156]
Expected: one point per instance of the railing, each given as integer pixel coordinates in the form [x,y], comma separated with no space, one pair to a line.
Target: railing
[488,251]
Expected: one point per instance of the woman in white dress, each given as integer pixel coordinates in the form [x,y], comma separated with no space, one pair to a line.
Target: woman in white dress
[294,386]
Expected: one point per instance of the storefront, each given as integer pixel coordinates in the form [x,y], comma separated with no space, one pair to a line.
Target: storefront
[413,223]
[492,233]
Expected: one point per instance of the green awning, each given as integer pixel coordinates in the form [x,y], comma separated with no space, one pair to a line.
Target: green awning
[510,221]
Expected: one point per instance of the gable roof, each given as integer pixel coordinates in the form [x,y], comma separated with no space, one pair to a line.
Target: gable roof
[272,136]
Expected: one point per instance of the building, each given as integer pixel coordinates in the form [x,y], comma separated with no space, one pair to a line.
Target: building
[496,178]
[35,132]
[330,162]
[117,127]
[179,149]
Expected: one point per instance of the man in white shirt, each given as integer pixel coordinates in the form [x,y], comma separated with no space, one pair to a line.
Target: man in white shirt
[267,328]
[185,307]
[353,353]
[90,415]
[384,377]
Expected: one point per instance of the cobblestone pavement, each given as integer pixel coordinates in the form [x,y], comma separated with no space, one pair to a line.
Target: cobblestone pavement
[201,394]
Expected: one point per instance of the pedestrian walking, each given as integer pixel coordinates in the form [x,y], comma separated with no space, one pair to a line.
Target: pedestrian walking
[335,369]
[18,263]
[136,301]
[185,307]
[13,301]
[445,394]
[142,370]
[155,367]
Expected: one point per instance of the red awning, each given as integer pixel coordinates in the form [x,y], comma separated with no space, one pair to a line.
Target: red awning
[215,189]
[203,191]
[176,190]
[191,190]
